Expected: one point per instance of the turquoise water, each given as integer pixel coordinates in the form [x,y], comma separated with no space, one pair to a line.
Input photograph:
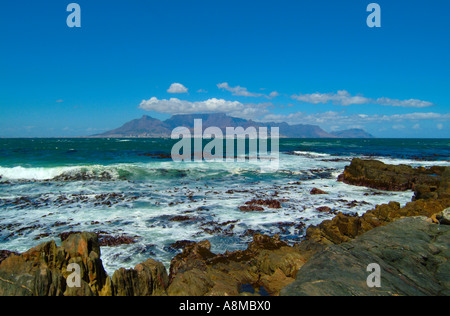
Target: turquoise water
[132,187]
[68,152]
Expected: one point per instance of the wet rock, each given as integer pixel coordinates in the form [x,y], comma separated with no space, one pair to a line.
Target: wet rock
[251,208]
[375,174]
[84,176]
[412,253]
[111,241]
[324,209]
[270,203]
[317,191]
[182,218]
[181,244]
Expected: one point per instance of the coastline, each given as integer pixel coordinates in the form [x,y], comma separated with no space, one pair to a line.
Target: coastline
[266,267]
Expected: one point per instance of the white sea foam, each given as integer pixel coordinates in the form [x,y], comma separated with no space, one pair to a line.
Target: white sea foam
[21,173]
[208,192]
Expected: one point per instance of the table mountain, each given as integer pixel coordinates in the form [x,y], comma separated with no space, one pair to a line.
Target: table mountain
[154,128]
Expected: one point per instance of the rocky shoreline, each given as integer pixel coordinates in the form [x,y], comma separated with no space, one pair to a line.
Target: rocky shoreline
[269,266]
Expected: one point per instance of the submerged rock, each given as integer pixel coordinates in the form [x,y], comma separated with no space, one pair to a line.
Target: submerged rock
[412,253]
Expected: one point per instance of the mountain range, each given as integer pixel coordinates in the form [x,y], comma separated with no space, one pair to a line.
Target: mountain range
[153,128]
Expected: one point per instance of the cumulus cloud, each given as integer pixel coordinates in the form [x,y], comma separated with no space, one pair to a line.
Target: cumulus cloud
[233,108]
[344,98]
[177,88]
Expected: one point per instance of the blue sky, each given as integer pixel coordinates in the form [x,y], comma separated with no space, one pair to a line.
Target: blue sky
[304,62]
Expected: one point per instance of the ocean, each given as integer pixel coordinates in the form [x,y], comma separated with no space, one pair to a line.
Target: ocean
[132,187]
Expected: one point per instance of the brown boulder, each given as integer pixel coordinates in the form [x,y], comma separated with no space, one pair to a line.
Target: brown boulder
[42,271]
[345,227]
[316,191]
[375,174]
[267,262]
[146,279]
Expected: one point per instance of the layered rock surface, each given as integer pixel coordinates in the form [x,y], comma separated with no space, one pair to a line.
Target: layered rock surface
[413,255]
[42,271]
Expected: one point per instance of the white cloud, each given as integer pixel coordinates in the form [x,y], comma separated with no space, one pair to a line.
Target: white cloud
[440,126]
[177,88]
[202,91]
[233,108]
[238,91]
[340,98]
[273,94]
[412,103]
[344,98]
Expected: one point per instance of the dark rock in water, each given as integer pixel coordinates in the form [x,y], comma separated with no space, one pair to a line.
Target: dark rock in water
[84,176]
[180,244]
[316,191]
[324,209]
[412,253]
[270,203]
[146,279]
[111,241]
[182,218]
[377,175]
[251,208]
